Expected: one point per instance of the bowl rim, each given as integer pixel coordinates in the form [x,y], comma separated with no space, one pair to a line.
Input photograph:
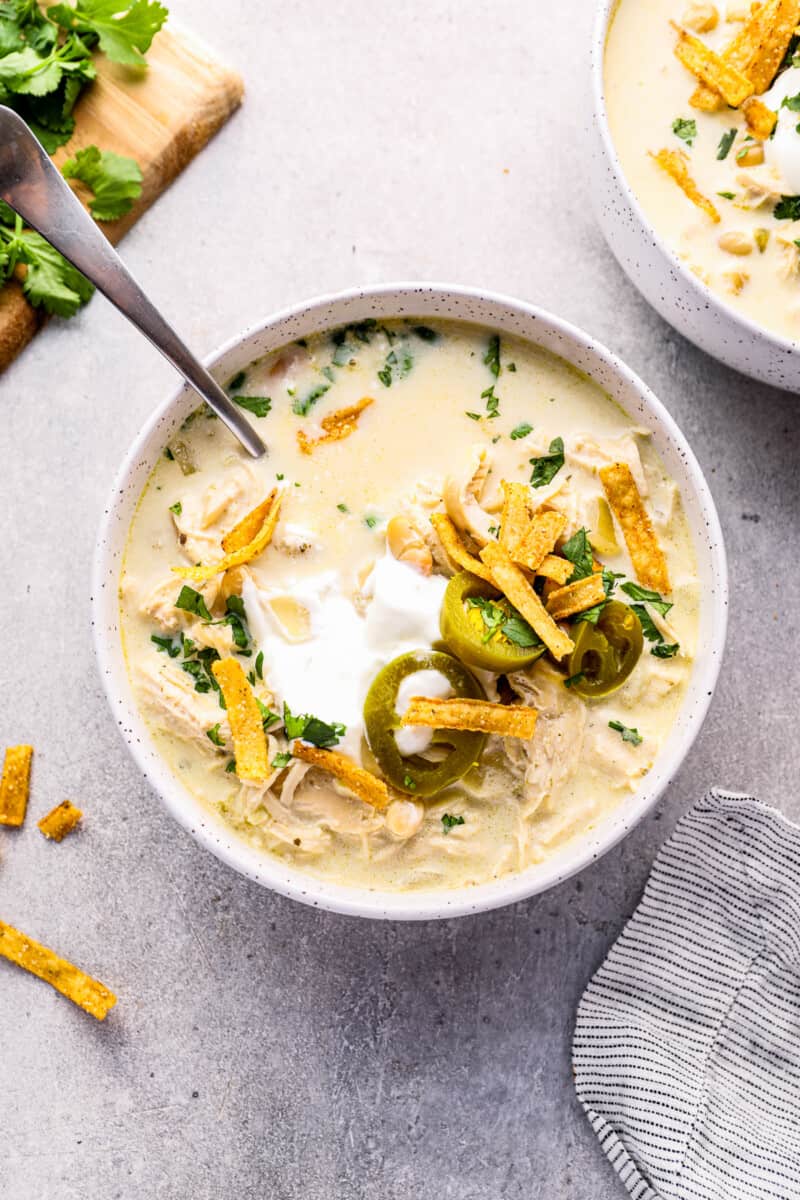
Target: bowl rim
[412,905]
[606,11]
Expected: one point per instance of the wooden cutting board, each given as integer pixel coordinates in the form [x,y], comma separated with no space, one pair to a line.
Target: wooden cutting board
[162,117]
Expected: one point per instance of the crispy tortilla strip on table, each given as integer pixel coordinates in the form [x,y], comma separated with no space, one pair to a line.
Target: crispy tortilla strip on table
[675,163]
[60,821]
[361,783]
[515,516]
[480,716]
[555,569]
[712,69]
[455,549]
[625,502]
[244,716]
[576,597]
[15,785]
[89,994]
[760,119]
[757,50]
[515,587]
[543,531]
[336,426]
[243,543]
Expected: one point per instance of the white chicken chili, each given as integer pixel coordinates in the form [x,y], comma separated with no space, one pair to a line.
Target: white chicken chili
[703,104]
[442,628]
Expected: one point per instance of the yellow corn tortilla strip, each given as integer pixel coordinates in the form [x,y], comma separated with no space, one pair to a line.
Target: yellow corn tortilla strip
[626,504]
[15,785]
[455,549]
[515,517]
[361,783]
[544,530]
[515,587]
[576,597]
[60,821]
[760,119]
[244,716]
[675,163]
[480,716]
[554,568]
[712,69]
[258,527]
[757,50]
[336,426]
[90,995]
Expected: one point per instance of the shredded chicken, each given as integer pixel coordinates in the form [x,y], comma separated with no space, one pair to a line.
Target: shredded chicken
[760,186]
[553,753]
[169,695]
[596,452]
[462,497]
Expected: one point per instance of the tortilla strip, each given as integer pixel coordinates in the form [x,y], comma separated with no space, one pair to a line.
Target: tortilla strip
[244,716]
[712,69]
[554,568]
[336,425]
[89,994]
[757,50]
[243,543]
[15,785]
[455,549]
[760,119]
[515,587]
[625,502]
[515,516]
[544,530]
[480,716]
[361,783]
[60,821]
[675,163]
[576,597]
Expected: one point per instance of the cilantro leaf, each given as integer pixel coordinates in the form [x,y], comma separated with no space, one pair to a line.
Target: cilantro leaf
[520,431]
[192,602]
[518,631]
[787,208]
[213,734]
[725,143]
[50,280]
[665,649]
[628,735]
[176,508]
[547,467]
[165,645]
[281,760]
[449,822]
[492,355]
[425,333]
[792,103]
[259,406]
[302,406]
[685,129]
[578,549]
[115,181]
[123,30]
[311,729]
[636,592]
[573,679]
[397,365]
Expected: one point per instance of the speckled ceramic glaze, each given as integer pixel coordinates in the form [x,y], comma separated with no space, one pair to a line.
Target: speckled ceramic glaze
[664,280]
[505,315]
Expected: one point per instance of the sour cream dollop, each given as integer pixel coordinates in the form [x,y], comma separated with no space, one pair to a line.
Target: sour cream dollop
[329,673]
[782,150]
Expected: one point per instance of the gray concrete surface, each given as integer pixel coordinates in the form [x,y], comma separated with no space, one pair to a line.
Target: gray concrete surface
[260,1049]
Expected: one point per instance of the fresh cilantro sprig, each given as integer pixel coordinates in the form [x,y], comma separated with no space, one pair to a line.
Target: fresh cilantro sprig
[547,467]
[114,181]
[508,622]
[311,729]
[123,31]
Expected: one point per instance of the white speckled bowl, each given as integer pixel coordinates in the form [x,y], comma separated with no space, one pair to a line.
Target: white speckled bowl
[505,315]
[682,299]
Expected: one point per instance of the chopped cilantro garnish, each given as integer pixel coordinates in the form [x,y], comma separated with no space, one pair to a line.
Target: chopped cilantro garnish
[449,821]
[791,102]
[408,782]
[725,143]
[213,734]
[787,209]
[342,507]
[176,508]
[685,129]
[665,649]
[281,760]
[547,467]
[230,766]
[473,416]
[637,592]
[578,549]
[727,195]
[628,735]
[492,402]
[371,521]
[259,406]
[312,729]
[425,333]
[492,356]
[520,431]
[192,602]
[237,381]
[165,645]
[302,406]
[397,365]
[579,678]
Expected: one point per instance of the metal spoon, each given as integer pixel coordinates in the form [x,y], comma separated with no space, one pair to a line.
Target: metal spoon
[33,186]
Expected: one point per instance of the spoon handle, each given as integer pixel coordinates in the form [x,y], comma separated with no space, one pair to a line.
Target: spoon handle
[33,186]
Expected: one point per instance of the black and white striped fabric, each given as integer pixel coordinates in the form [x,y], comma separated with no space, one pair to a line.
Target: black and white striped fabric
[687,1044]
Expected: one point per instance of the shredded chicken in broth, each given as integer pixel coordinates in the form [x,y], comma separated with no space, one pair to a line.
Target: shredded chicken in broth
[442,628]
[704,108]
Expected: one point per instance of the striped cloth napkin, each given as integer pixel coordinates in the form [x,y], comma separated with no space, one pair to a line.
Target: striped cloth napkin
[687,1044]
